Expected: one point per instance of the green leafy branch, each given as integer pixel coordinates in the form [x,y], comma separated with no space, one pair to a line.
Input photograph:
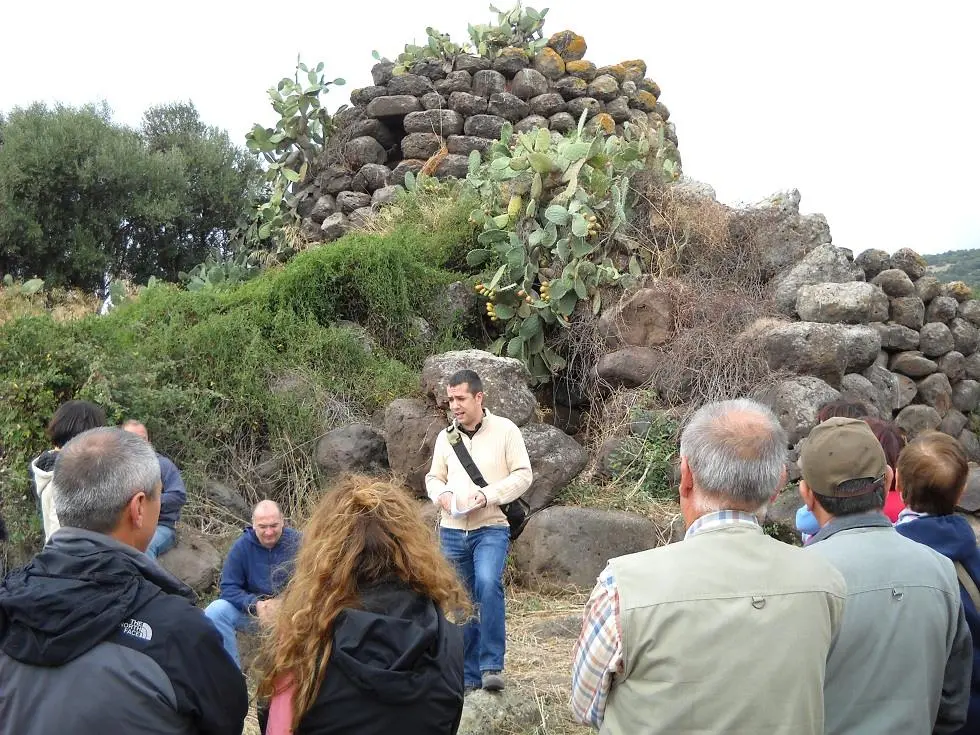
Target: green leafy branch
[290,148]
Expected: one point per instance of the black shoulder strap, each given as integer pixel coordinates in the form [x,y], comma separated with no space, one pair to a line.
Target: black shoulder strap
[456,442]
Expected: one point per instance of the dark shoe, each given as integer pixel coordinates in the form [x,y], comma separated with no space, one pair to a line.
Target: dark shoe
[470,688]
[493,681]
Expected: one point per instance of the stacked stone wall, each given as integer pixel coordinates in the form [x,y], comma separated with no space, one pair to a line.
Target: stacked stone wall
[433,117]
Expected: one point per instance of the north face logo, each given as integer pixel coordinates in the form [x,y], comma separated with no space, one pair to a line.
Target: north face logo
[137,629]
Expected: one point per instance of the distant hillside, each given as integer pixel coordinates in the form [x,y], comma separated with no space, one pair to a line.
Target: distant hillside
[956,265]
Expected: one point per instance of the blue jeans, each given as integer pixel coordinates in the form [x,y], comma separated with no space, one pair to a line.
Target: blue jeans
[164,539]
[228,619]
[479,557]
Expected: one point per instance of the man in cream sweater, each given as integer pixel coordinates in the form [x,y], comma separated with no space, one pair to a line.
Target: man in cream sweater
[474,532]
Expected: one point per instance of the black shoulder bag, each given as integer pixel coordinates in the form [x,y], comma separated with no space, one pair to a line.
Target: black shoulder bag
[517,511]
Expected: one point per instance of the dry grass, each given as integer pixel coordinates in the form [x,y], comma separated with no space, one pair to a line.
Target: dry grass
[541,632]
[61,304]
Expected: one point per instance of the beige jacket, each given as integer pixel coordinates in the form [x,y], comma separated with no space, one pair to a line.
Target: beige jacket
[724,632]
[498,451]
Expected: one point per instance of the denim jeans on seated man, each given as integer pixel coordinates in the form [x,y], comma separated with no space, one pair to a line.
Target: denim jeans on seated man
[479,557]
[164,539]
[228,619]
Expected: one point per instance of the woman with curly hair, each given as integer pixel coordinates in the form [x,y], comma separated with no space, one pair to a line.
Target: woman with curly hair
[361,642]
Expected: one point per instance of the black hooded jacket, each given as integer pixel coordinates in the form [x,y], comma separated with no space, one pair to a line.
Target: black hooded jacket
[95,638]
[396,666]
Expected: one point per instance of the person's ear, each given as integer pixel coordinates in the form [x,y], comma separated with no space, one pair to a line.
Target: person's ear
[137,508]
[780,485]
[687,479]
[889,476]
[806,494]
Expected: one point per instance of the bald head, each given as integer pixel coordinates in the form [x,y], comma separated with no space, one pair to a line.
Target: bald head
[736,452]
[267,523]
[135,427]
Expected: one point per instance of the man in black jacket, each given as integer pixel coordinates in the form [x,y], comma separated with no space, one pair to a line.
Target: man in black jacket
[95,637]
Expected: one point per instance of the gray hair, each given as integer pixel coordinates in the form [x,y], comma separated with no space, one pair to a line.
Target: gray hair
[736,451]
[97,473]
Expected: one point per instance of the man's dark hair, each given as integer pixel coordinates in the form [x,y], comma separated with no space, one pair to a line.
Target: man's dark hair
[469,378]
[71,419]
[861,502]
[842,408]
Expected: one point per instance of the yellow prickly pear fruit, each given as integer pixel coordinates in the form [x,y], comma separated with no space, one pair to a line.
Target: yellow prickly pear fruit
[514,207]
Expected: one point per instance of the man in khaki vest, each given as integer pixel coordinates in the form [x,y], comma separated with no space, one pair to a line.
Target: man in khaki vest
[727,631]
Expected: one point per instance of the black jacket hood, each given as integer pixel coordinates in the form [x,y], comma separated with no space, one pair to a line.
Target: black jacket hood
[392,655]
[74,594]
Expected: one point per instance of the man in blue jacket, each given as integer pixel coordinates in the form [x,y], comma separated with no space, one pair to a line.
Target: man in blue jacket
[256,571]
[171,501]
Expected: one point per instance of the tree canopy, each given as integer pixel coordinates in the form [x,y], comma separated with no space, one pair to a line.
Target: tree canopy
[83,198]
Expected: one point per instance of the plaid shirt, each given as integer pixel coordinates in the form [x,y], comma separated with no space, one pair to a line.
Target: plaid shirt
[598,656]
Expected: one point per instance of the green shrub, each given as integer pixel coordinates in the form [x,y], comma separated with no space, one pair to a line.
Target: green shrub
[645,462]
[200,367]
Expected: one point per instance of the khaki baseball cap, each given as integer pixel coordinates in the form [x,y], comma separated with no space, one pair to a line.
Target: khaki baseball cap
[839,450]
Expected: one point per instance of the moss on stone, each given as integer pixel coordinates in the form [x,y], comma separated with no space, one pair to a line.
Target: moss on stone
[616,71]
[644,100]
[550,63]
[569,45]
[636,69]
[581,69]
[648,85]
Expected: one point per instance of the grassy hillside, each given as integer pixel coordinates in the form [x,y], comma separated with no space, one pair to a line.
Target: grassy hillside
[957,265]
[227,378]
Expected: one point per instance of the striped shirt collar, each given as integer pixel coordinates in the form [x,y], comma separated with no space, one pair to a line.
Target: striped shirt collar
[719,519]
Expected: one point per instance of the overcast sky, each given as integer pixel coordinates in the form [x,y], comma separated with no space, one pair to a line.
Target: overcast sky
[868,108]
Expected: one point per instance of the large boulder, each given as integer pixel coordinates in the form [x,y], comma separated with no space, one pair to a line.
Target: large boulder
[936,391]
[782,234]
[194,561]
[411,429]
[894,282]
[970,310]
[917,418]
[862,343]
[927,288]
[498,713]
[966,337]
[935,339]
[228,500]
[909,311]
[807,348]
[824,264]
[886,385]
[644,318]
[971,445]
[873,261]
[556,459]
[505,382]
[354,448]
[911,262]
[570,546]
[912,364]
[941,309]
[855,387]
[953,423]
[966,396]
[795,401]
[834,303]
[629,367]
[896,338]
[953,364]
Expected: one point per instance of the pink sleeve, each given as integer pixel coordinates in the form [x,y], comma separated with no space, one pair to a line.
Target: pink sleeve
[281,712]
